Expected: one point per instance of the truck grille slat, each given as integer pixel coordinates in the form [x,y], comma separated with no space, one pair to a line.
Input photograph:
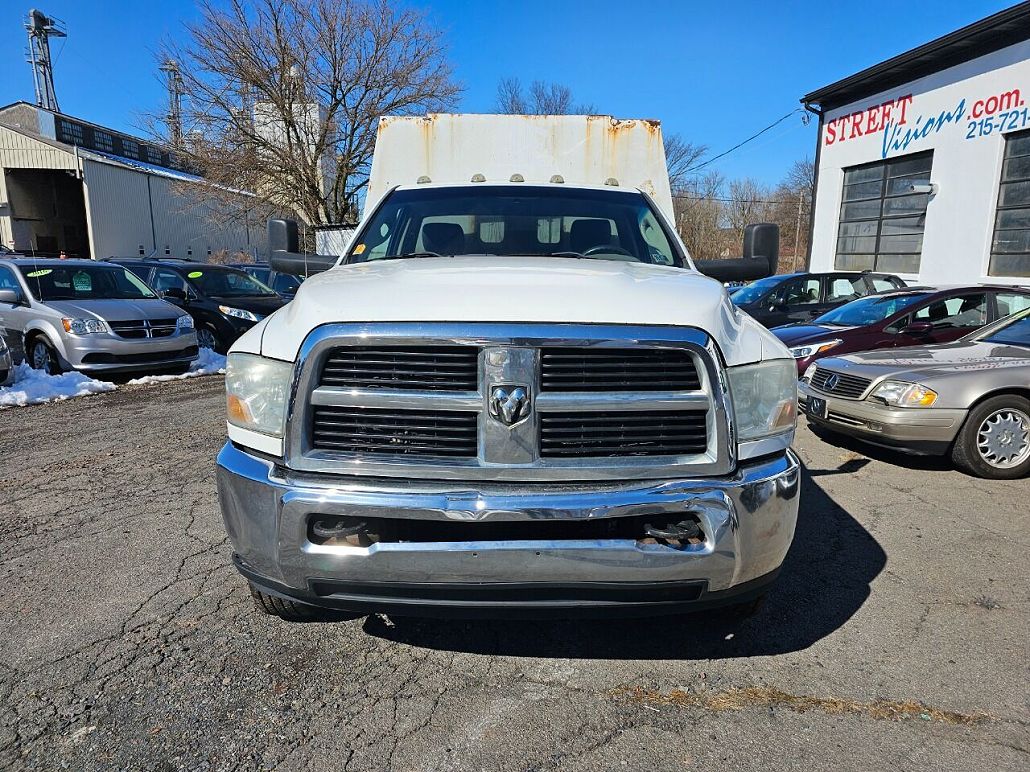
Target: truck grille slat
[849,386]
[448,368]
[657,433]
[400,432]
[607,369]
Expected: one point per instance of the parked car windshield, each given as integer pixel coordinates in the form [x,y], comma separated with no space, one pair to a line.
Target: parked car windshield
[755,290]
[221,282]
[1016,333]
[869,310]
[510,220]
[83,282]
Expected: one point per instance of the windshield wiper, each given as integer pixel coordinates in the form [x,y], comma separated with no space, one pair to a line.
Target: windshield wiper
[565,253]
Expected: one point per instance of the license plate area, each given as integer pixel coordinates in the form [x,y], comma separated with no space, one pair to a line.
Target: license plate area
[816,407]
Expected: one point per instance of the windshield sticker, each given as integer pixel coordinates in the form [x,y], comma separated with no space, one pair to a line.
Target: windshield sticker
[41,272]
[82,282]
[359,249]
[195,274]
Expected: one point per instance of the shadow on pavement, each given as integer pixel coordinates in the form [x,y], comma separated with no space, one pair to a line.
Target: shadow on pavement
[825,580]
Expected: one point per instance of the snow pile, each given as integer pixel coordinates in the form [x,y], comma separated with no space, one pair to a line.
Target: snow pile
[208,363]
[32,387]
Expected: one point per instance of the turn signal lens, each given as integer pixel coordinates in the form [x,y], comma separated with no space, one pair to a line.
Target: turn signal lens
[903,394]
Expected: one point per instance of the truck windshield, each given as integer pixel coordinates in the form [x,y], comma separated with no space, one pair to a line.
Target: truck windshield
[83,282]
[868,310]
[522,220]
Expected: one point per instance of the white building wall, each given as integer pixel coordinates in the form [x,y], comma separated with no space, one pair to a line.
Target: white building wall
[128,209]
[941,112]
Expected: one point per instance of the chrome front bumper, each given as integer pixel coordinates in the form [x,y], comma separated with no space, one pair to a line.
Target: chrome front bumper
[748,519]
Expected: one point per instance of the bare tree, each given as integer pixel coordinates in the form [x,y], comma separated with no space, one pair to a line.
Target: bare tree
[681,156]
[792,211]
[701,216]
[543,99]
[748,203]
[283,97]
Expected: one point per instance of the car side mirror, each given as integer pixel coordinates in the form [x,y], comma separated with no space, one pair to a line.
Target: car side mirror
[175,293]
[761,256]
[11,296]
[917,328]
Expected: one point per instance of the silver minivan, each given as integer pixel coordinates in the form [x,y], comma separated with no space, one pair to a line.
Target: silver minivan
[62,315]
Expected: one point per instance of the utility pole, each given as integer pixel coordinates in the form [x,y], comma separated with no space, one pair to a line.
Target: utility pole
[41,28]
[174,117]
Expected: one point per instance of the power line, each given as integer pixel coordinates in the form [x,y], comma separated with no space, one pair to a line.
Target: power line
[749,139]
[735,200]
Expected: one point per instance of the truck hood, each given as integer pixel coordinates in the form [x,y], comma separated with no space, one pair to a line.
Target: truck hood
[116,310]
[929,363]
[479,289]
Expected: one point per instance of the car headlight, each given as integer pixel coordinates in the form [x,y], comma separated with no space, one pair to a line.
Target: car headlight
[84,326]
[811,349]
[256,390]
[903,394]
[184,322]
[809,372]
[765,398]
[239,313]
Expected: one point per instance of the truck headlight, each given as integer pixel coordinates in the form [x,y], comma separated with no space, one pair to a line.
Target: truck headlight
[184,322]
[239,313]
[803,352]
[84,326]
[903,394]
[256,391]
[765,398]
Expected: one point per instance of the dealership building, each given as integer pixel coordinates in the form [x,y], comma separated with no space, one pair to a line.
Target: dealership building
[71,186]
[923,161]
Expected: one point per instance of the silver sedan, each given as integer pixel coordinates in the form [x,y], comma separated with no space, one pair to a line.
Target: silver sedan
[969,399]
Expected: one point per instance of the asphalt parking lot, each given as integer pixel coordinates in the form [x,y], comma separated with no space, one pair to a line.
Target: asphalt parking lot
[894,639]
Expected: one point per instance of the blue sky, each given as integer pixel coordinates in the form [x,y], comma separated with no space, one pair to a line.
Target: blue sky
[715,72]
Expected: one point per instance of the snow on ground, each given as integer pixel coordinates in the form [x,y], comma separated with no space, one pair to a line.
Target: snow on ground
[208,363]
[31,387]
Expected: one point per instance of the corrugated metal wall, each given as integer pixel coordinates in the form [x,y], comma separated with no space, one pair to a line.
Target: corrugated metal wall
[18,151]
[130,209]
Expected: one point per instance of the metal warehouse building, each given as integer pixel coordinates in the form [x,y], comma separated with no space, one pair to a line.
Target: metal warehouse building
[67,185]
[923,161]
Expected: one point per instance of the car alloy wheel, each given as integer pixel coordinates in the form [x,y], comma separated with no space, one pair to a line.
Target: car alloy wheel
[43,358]
[206,338]
[1003,439]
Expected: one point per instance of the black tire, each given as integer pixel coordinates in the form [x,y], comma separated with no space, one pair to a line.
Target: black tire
[1005,410]
[50,363]
[291,611]
[214,342]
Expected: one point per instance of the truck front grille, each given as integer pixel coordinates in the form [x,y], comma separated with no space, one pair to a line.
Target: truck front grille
[430,433]
[611,369]
[608,435]
[509,402]
[845,385]
[447,368]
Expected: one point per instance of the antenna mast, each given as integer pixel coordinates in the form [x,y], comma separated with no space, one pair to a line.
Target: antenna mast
[174,117]
[41,28]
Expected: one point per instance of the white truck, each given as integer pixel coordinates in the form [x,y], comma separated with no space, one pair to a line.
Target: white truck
[514,395]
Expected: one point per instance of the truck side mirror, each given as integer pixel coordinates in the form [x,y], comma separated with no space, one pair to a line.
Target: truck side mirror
[761,256]
[284,251]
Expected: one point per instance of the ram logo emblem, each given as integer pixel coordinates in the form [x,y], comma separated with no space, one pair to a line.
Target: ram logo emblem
[509,404]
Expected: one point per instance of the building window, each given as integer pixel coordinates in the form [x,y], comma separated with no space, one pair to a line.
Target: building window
[154,156]
[1010,249]
[103,141]
[881,218]
[70,132]
[130,148]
